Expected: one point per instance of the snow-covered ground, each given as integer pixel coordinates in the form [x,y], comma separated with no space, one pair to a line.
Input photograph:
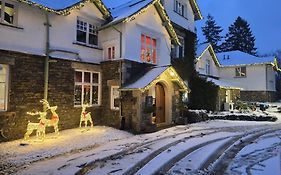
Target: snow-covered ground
[182,149]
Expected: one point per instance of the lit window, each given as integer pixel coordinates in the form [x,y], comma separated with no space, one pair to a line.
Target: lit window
[111,53]
[7,12]
[240,71]
[114,97]
[86,33]
[87,88]
[148,49]
[3,86]
[179,7]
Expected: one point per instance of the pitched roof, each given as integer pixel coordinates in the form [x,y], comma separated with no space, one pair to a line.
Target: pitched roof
[202,48]
[235,58]
[63,7]
[196,10]
[129,9]
[153,74]
[222,84]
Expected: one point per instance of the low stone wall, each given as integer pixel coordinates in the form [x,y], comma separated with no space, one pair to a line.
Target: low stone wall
[258,96]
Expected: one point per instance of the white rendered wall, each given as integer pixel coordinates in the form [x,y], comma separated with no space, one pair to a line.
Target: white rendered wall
[185,22]
[148,23]
[63,32]
[201,65]
[271,79]
[254,81]
[32,38]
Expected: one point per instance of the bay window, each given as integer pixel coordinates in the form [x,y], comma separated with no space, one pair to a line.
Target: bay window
[148,49]
[87,88]
[86,33]
[3,87]
[7,12]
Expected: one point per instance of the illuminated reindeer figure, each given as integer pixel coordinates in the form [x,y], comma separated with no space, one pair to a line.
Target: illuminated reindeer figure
[85,116]
[39,127]
[54,121]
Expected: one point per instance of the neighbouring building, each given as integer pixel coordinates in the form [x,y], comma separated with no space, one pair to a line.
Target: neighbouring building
[114,56]
[209,67]
[255,75]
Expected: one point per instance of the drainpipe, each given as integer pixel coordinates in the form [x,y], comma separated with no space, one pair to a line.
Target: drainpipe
[120,75]
[46,64]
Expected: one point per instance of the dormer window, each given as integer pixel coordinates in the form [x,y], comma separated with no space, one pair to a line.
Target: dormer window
[180,7]
[148,49]
[86,33]
[7,13]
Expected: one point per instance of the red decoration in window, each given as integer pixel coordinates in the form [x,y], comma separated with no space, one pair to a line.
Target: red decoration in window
[142,47]
[148,49]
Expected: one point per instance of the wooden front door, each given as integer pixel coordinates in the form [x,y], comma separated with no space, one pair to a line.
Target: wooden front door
[160,103]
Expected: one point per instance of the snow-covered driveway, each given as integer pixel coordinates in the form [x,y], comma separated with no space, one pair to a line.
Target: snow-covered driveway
[191,149]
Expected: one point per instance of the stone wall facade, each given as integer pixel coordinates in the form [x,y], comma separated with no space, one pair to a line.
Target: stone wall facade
[258,96]
[26,89]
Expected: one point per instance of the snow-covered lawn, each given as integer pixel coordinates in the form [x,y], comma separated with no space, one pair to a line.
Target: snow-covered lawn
[106,150]
[19,153]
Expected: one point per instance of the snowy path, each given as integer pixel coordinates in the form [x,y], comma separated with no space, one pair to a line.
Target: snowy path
[117,152]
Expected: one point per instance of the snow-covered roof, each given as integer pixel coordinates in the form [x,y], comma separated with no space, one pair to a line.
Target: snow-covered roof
[153,74]
[128,9]
[202,48]
[235,58]
[147,78]
[223,84]
[64,6]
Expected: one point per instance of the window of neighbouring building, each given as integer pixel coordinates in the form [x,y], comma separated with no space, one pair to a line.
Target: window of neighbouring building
[110,52]
[180,7]
[7,12]
[148,49]
[208,67]
[86,33]
[114,100]
[178,50]
[87,88]
[3,87]
[240,71]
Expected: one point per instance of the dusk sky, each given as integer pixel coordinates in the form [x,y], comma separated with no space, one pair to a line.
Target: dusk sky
[264,17]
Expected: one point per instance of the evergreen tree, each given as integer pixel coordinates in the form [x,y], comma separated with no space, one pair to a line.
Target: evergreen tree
[239,37]
[212,32]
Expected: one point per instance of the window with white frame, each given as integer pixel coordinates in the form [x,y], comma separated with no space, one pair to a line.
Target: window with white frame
[110,52]
[180,7]
[86,33]
[114,97]
[7,12]
[148,49]
[178,50]
[208,67]
[3,87]
[240,71]
[87,88]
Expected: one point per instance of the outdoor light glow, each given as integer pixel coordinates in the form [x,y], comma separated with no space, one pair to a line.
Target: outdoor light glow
[43,122]
[85,116]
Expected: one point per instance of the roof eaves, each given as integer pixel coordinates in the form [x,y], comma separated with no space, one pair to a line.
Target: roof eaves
[166,21]
[196,10]
[67,10]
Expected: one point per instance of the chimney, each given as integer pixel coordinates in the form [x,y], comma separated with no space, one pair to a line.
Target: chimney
[224,57]
[228,57]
